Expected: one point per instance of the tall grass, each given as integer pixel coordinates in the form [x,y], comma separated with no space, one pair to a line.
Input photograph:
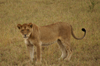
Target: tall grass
[79,13]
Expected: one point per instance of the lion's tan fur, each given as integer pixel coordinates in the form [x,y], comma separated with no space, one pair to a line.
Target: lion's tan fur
[45,35]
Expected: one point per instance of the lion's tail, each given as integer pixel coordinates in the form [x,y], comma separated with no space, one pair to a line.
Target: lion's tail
[83,29]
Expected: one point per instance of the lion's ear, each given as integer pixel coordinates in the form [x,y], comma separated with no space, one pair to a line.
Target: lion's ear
[19,26]
[30,25]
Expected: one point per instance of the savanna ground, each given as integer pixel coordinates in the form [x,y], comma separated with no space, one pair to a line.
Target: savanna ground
[79,13]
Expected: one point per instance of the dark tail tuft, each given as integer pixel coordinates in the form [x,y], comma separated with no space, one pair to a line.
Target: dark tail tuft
[83,29]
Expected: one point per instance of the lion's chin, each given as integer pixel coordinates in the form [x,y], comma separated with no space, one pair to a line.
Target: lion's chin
[25,37]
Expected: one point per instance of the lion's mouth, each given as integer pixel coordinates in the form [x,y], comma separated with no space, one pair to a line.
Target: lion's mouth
[25,36]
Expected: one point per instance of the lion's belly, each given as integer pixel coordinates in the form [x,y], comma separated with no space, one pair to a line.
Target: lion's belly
[48,43]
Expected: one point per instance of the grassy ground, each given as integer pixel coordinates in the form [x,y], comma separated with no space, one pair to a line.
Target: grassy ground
[79,13]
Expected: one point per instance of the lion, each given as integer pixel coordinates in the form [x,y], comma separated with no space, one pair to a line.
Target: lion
[39,36]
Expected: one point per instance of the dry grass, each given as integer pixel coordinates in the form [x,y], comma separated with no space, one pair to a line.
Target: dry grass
[79,13]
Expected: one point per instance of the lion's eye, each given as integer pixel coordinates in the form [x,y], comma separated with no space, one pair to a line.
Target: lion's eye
[22,30]
[27,29]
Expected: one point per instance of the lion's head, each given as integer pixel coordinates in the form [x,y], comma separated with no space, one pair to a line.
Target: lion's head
[25,29]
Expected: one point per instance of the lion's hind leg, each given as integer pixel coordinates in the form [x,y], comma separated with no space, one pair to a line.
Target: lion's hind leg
[66,44]
[69,55]
[63,50]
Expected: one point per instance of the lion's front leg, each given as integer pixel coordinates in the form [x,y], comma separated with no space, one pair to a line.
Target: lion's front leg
[38,53]
[31,52]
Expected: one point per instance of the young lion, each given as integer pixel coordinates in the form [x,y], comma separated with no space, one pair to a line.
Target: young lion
[45,35]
